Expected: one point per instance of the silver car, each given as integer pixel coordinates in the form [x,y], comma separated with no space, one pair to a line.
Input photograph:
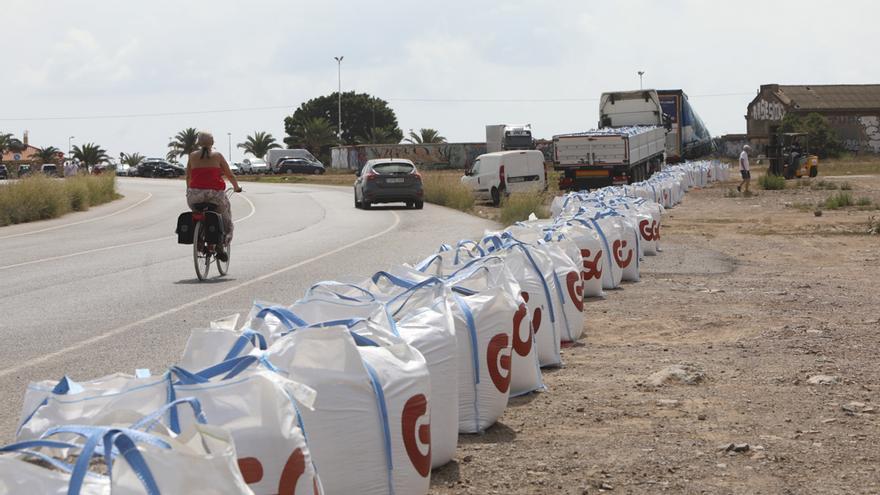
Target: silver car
[388,180]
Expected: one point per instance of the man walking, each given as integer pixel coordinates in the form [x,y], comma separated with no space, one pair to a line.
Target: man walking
[744,169]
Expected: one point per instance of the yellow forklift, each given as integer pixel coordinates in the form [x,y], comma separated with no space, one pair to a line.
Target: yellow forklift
[789,155]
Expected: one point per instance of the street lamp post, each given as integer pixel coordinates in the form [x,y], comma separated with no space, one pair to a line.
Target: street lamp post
[229,136]
[68,146]
[339,96]
[641,73]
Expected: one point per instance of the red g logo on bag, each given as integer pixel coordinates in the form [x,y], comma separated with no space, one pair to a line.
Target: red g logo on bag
[647,230]
[521,346]
[656,226]
[252,472]
[415,435]
[497,362]
[575,290]
[591,267]
[536,316]
[618,254]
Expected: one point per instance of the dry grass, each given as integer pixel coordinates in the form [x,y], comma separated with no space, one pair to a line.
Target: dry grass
[850,165]
[445,188]
[518,206]
[41,198]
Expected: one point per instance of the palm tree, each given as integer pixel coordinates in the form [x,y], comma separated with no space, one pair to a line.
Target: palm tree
[89,154]
[313,134]
[378,135]
[5,139]
[425,136]
[184,143]
[49,154]
[259,144]
[132,160]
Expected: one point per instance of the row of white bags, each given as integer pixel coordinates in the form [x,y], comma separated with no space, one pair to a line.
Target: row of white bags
[364,386]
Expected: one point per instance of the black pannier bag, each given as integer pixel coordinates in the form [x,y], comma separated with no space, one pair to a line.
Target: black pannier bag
[185,228]
[213,225]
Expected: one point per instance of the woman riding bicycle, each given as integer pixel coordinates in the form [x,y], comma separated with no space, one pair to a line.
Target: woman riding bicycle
[205,171]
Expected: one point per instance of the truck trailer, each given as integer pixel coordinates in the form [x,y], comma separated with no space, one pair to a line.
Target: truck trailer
[629,145]
[688,137]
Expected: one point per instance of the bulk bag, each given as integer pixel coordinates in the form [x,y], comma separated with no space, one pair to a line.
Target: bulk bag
[201,460]
[611,234]
[491,272]
[370,430]
[592,253]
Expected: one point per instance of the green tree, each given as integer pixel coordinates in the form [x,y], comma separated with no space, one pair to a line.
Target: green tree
[425,136]
[49,154]
[259,144]
[314,134]
[90,154]
[360,113]
[132,160]
[184,143]
[5,139]
[824,140]
[379,135]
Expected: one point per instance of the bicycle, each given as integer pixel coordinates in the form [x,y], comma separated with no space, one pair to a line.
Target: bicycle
[205,235]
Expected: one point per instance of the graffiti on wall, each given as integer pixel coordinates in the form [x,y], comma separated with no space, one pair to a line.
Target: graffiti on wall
[425,156]
[767,110]
[871,125]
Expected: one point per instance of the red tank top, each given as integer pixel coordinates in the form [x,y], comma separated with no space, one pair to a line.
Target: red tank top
[207,178]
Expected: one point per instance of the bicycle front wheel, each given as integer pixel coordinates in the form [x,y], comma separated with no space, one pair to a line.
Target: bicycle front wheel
[201,256]
[223,266]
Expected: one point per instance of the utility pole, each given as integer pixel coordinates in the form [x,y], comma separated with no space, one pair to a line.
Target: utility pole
[68,146]
[641,73]
[339,97]
[229,136]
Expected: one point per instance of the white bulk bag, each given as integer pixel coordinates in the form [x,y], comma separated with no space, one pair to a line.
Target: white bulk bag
[369,432]
[611,234]
[48,404]
[201,460]
[491,272]
[629,252]
[592,255]
[259,409]
[533,270]
[569,287]
[209,346]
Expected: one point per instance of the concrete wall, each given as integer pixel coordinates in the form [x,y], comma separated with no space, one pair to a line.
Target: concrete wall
[424,156]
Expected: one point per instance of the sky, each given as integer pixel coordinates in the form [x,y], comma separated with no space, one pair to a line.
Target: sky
[128,75]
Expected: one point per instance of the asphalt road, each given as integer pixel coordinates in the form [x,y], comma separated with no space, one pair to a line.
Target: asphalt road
[110,290]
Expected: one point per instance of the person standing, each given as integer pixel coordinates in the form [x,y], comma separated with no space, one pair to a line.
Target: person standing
[744,169]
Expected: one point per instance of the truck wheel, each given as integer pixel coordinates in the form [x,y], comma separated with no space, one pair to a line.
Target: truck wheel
[496,197]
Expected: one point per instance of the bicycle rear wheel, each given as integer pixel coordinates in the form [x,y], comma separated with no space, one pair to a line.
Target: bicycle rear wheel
[223,266]
[201,256]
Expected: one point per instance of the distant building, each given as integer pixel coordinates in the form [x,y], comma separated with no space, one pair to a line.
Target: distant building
[853,110]
[424,156]
[17,157]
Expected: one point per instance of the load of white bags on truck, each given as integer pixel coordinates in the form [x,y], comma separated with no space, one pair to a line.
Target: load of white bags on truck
[360,386]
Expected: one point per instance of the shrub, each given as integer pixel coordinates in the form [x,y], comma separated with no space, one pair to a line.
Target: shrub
[40,198]
[839,200]
[518,206]
[771,182]
[823,185]
[845,186]
[863,201]
[447,190]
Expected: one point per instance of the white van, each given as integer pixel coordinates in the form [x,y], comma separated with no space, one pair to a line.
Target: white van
[505,172]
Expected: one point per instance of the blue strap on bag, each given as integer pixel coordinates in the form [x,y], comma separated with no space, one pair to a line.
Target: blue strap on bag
[248,336]
[329,283]
[475,353]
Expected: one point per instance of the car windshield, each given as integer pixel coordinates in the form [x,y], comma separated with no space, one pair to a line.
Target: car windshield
[393,168]
[475,169]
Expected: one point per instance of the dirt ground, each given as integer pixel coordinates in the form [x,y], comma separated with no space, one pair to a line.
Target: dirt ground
[755,295]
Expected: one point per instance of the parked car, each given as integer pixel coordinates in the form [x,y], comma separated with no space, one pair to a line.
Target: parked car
[388,180]
[123,169]
[235,167]
[156,167]
[503,172]
[300,166]
[24,170]
[4,173]
[254,166]
[49,169]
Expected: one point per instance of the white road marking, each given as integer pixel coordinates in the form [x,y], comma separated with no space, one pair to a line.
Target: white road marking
[117,246]
[149,195]
[116,331]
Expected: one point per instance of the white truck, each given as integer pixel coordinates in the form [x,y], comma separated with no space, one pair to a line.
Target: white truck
[273,157]
[505,137]
[628,147]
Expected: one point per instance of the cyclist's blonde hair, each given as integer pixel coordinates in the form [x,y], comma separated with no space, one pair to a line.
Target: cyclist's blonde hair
[205,141]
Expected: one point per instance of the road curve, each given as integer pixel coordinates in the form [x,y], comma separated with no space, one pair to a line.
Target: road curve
[110,289]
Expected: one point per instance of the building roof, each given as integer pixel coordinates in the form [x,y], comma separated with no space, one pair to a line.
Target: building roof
[829,97]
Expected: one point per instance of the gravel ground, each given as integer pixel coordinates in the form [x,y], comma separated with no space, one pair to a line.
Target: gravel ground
[759,322]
